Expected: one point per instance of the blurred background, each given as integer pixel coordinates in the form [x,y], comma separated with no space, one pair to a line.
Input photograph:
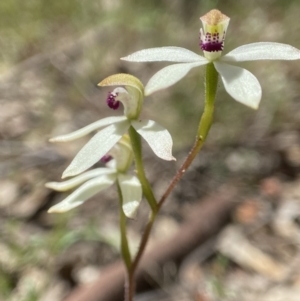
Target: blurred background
[53,54]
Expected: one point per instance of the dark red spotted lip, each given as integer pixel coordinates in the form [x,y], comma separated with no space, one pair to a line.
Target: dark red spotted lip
[111,101]
[106,158]
[211,46]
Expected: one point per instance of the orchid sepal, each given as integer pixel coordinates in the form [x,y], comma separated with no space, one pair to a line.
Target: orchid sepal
[158,138]
[131,189]
[240,84]
[262,51]
[74,182]
[88,129]
[103,141]
[170,75]
[164,54]
[84,192]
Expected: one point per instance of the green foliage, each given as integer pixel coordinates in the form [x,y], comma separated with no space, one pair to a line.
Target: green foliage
[217,281]
[41,249]
[6,284]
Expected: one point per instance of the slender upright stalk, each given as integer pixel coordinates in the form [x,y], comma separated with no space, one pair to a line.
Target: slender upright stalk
[211,81]
[124,242]
[211,84]
[137,152]
[129,284]
[147,190]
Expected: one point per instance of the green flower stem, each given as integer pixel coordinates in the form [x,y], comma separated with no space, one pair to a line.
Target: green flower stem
[211,83]
[124,242]
[130,287]
[204,127]
[147,190]
[144,240]
[137,151]
[188,161]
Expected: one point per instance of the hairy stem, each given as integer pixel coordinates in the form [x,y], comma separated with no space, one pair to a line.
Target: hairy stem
[211,84]
[211,81]
[203,129]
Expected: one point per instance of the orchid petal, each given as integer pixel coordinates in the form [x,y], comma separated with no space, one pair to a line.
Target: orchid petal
[131,189]
[170,75]
[262,51]
[167,54]
[241,84]
[96,148]
[88,129]
[66,185]
[84,192]
[158,138]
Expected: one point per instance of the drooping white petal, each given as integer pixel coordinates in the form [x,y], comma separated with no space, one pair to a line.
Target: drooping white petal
[96,148]
[241,84]
[262,51]
[66,185]
[83,193]
[131,189]
[167,54]
[158,138]
[170,75]
[88,129]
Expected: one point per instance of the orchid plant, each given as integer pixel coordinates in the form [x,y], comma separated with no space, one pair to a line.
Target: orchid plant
[112,141]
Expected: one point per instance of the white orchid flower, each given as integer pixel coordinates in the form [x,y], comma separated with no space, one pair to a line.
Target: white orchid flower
[158,138]
[241,84]
[98,179]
